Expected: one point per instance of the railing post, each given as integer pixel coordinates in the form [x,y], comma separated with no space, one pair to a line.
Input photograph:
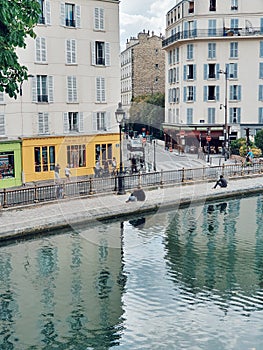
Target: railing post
[183,175]
[223,169]
[91,186]
[5,199]
[35,194]
[140,180]
[161,182]
[115,183]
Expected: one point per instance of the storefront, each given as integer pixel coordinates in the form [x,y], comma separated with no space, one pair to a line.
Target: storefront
[10,164]
[78,152]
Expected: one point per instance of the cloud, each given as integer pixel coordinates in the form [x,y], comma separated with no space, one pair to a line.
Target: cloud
[137,15]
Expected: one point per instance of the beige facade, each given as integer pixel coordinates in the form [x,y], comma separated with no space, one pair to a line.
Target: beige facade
[214,68]
[142,67]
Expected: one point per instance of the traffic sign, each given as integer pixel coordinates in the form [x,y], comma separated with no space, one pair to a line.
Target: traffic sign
[208,138]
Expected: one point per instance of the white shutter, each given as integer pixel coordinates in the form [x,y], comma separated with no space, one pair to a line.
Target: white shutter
[65,122]
[70,92]
[34,89]
[62,14]
[68,51]
[37,49]
[43,50]
[96,18]
[47,12]
[98,92]
[50,89]
[94,121]
[40,123]
[81,122]
[93,53]
[2,97]
[101,18]
[103,91]
[46,123]
[74,87]
[77,16]
[73,51]
[107,54]
[2,124]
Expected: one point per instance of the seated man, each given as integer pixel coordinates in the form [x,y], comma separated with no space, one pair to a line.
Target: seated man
[221,182]
[131,198]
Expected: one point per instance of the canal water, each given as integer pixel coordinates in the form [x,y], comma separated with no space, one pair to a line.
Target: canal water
[189,278]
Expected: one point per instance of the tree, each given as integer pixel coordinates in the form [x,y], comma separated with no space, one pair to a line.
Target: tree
[17,20]
[259,139]
[148,111]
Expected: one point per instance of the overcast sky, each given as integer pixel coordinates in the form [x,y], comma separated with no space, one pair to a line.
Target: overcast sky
[136,15]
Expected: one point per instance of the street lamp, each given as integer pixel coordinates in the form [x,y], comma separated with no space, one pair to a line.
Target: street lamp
[120,118]
[225,106]
[154,155]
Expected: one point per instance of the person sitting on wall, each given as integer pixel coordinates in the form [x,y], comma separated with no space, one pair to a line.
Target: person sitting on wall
[131,198]
[221,182]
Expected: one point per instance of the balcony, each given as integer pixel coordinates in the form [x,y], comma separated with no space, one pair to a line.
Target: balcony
[206,33]
[42,98]
[70,22]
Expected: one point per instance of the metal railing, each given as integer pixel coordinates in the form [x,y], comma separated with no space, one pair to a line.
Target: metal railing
[88,187]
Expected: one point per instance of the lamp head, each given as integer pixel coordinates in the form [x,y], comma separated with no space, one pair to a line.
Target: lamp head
[119,113]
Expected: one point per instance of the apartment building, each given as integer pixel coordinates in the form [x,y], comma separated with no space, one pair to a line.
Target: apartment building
[142,67]
[214,71]
[65,112]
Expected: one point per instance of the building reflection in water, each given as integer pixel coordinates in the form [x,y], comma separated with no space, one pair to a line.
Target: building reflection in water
[61,291]
[215,250]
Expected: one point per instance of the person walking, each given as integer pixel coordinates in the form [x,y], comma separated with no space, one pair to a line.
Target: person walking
[57,169]
[67,173]
[221,182]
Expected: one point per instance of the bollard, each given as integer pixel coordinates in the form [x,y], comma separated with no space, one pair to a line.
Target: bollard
[35,194]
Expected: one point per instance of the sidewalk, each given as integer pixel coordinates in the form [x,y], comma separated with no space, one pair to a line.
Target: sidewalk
[66,213]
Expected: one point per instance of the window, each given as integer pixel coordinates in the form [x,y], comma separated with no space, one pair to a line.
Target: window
[234,50]
[100,121]
[99,18]
[73,122]
[211,50]
[211,115]
[44,158]
[72,89]
[234,25]
[189,93]
[189,114]
[211,71]
[234,115]
[212,6]
[232,70]
[234,4]
[190,72]
[260,93]
[41,50]
[7,164]
[211,93]
[235,92]
[2,124]
[190,51]
[103,152]
[43,123]
[76,156]
[260,115]
[212,27]
[261,70]
[42,88]
[69,15]
[100,90]
[100,53]
[71,51]
[45,16]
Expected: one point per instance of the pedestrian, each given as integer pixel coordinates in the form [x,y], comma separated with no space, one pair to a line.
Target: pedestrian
[131,198]
[114,166]
[97,169]
[67,172]
[57,169]
[221,182]
[249,157]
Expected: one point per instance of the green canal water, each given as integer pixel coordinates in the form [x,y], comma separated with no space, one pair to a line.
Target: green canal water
[188,278]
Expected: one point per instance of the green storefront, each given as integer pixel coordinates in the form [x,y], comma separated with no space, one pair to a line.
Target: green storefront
[10,164]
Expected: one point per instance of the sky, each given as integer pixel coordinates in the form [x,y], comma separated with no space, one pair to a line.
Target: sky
[137,15]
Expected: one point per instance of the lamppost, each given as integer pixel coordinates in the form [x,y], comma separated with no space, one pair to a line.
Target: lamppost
[225,106]
[154,155]
[120,118]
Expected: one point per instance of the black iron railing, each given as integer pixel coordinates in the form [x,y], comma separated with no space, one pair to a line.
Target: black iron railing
[46,193]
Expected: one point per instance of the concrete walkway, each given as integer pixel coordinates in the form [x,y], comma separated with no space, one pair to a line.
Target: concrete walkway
[70,213]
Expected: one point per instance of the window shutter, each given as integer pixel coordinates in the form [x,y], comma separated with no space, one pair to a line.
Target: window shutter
[217,70]
[235,70]
[81,122]
[40,123]
[2,124]
[102,26]
[217,93]
[65,122]
[107,54]
[185,93]
[231,92]
[37,48]
[205,72]
[62,14]
[96,18]
[260,115]
[50,89]
[73,51]
[43,50]
[194,69]
[74,89]
[93,52]
[261,70]
[227,70]
[205,93]
[185,72]
[48,12]
[77,16]
[94,121]
[194,93]
[68,51]
[2,97]
[238,115]
[103,91]
[261,49]
[34,89]
[260,97]
[239,92]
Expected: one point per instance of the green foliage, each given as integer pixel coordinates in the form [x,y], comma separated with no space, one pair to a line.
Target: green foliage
[236,144]
[259,139]
[148,110]
[256,151]
[17,20]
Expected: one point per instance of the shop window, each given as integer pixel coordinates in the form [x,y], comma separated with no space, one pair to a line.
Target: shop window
[76,156]
[44,158]
[103,152]
[7,165]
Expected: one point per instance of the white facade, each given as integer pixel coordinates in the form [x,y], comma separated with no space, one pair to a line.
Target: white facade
[203,39]
[75,69]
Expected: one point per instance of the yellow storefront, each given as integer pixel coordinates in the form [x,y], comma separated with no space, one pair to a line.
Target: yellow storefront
[40,154]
